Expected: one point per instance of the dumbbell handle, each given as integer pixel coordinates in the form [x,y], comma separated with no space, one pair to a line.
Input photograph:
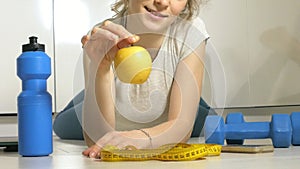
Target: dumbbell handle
[247,130]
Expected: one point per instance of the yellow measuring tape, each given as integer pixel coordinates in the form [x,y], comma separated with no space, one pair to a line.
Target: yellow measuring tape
[168,152]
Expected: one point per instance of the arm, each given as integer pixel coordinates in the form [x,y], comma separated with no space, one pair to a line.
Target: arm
[101,90]
[99,50]
[184,100]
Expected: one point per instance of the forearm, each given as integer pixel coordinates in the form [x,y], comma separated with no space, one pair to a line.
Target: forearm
[173,131]
[105,92]
[184,101]
[98,108]
[182,113]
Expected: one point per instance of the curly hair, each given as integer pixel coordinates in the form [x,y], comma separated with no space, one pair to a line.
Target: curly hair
[191,9]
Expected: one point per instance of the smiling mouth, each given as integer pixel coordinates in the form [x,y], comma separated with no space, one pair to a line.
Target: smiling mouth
[155,13]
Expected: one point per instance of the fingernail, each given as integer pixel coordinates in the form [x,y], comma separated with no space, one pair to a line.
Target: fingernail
[137,38]
[131,39]
[134,38]
[92,154]
[105,23]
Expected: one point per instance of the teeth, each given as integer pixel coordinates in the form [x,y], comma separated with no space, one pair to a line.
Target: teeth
[148,9]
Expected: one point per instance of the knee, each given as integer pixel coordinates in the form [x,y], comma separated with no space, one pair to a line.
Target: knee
[67,125]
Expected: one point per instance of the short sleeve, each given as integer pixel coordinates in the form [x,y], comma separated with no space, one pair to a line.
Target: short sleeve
[195,34]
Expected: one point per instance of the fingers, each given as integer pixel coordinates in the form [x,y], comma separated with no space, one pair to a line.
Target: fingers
[116,29]
[99,32]
[106,40]
[126,38]
[87,151]
[128,41]
[84,40]
[113,32]
[120,140]
[96,33]
[94,151]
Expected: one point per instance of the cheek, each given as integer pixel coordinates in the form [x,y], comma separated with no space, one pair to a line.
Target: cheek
[178,7]
[133,7]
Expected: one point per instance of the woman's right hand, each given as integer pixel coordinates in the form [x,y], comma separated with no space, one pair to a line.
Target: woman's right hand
[104,41]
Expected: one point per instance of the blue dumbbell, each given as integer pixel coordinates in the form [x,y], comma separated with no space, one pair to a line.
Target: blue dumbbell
[295,119]
[279,130]
[234,118]
[295,122]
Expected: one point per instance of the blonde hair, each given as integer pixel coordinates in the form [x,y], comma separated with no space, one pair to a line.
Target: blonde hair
[191,9]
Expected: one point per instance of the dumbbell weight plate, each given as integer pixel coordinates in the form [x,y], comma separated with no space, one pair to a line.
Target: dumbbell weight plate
[234,118]
[214,129]
[281,130]
[295,119]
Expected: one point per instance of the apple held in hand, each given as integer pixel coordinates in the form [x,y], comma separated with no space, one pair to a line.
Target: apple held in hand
[133,64]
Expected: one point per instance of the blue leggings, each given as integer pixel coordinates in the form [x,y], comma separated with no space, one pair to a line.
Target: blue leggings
[67,123]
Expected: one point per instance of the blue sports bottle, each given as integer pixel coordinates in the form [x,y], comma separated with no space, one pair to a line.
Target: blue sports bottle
[34,102]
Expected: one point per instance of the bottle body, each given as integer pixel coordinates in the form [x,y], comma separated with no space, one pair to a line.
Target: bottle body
[34,103]
[35,123]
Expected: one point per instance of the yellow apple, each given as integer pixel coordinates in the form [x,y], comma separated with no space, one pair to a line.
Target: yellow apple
[133,64]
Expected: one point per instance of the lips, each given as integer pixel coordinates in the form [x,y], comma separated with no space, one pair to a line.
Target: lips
[155,13]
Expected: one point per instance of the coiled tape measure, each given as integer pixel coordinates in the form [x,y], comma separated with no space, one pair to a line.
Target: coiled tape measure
[168,152]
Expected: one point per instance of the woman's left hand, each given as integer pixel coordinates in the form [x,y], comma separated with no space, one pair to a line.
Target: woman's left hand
[120,139]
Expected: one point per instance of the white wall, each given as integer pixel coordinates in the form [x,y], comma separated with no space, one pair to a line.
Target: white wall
[259,46]
[70,26]
[19,20]
[258,42]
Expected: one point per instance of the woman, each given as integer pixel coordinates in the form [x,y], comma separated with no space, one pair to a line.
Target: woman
[163,109]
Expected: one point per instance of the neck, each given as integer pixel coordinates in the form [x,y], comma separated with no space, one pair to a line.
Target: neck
[150,40]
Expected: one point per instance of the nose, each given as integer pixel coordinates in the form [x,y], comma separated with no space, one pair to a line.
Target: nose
[162,4]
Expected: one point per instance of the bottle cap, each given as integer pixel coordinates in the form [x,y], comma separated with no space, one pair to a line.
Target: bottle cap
[33,45]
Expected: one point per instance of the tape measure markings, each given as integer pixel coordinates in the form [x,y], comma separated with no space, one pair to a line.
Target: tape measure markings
[168,152]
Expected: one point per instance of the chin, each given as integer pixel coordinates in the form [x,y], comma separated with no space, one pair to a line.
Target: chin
[156,26]
[145,23]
